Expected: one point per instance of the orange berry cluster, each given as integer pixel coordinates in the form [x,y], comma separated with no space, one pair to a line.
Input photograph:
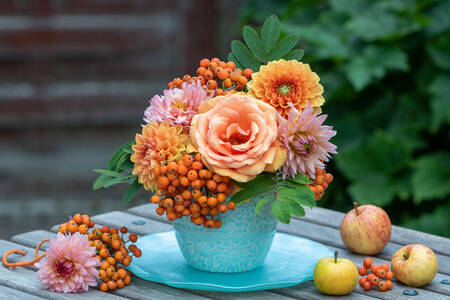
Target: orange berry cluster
[218,76]
[375,275]
[111,249]
[188,189]
[320,184]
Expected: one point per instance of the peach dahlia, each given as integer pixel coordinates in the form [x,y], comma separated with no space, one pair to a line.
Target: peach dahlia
[284,83]
[158,144]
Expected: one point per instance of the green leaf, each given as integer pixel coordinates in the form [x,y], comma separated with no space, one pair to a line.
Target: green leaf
[254,43]
[300,194]
[132,190]
[116,156]
[283,47]
[440,105]
[376,190]
[119,180]
[125,163]
[108,172]
[261,203]
[295,208]
[270,32]
[233,58]
[296,54]
[431,176]
[281,211]
[245,57]
[302,178]
[258,186]
[100,181]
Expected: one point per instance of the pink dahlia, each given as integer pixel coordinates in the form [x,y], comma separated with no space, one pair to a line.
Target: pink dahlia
[306,141]
[70,265]
[177,106]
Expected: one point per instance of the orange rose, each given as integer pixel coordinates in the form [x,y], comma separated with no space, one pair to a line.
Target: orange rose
[237,136]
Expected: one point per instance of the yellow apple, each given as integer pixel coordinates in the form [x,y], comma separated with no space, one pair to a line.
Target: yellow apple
[366,229]
[414,265]
[335,276]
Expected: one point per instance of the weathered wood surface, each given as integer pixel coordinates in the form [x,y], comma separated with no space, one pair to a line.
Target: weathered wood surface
[320,225]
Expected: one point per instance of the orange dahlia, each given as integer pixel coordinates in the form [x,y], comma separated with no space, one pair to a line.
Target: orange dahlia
[158,144]
[283,84]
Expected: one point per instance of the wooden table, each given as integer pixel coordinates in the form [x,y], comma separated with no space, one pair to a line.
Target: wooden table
[320,224]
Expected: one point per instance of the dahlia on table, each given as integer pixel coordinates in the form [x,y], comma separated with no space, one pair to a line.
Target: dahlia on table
[250,126]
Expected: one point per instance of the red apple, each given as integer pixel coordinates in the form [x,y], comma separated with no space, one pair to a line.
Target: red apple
[366,229]
[414,265]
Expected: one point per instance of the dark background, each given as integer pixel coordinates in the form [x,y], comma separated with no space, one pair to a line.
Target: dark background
[76,76]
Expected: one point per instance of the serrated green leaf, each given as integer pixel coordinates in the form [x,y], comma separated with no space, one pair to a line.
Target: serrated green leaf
[245,57]
[233,58]
[254,43]
[300,194]
[283,47]
[281,211]
[116,156]
[251,189]
[296,209]
[270,32]
[261,203]
[108,172]
[296,54]
[119,180]
[100,181]
[132,190]
[302,178]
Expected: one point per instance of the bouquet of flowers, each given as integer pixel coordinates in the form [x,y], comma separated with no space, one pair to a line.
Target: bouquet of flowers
[248,127]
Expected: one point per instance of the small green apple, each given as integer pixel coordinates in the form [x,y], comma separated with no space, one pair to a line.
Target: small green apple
[335,276]
[414,265]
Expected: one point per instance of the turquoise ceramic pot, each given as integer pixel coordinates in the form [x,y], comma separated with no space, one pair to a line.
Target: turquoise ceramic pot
[241,244]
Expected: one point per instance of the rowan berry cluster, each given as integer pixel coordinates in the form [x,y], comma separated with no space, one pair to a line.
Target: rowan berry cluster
[111,249]
[320,183]
[218,76]
[375,275]
[187,188]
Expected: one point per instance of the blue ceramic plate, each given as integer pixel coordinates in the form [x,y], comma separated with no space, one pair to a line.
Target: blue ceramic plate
[290,261]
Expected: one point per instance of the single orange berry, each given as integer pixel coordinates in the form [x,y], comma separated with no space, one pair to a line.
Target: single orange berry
[389,284]
[186,78]
[120,283]
[122,273]
[184,181]
[201,71]
[192,175]
[112,285]
[231,205]
[234,76]
[212,201]
[248,73]
[197,165]
[221,197]
[168,202]
[362,271]
[211,185]
[243,80]
[374,280]
[374,268]
[382,286]
[208,75]
[196,184]
[72,226]
[209,223]
[227,83]
[222,74]
[77,219]
[104,287]
[163,182]
[104,265]
[155,199]
[177,81]
[385,267]
[366,286]
[367,261]
[194,207]
[127,280]
[205,210]
[217,224]
[186,194]
[137,252]
[222,187]
[381,273]
[133,237]
[182,169]
[204,62]
[362,280]
[196,194]
[214,211]
[171,189]
[223,208]
[230,65]
[172,167]
[389,275]
[160,211]
[83,228]
[328,177]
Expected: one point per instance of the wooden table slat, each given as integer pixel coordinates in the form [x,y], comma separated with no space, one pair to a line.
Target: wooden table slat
[434,286]
[400,235]
[11,294]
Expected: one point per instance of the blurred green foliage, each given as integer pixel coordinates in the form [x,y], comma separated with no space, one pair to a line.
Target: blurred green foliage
[385,68]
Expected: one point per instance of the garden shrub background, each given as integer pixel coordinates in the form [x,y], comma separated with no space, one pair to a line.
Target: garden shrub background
[385,68]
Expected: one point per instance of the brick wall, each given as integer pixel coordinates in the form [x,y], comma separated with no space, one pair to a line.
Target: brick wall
[75,77]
